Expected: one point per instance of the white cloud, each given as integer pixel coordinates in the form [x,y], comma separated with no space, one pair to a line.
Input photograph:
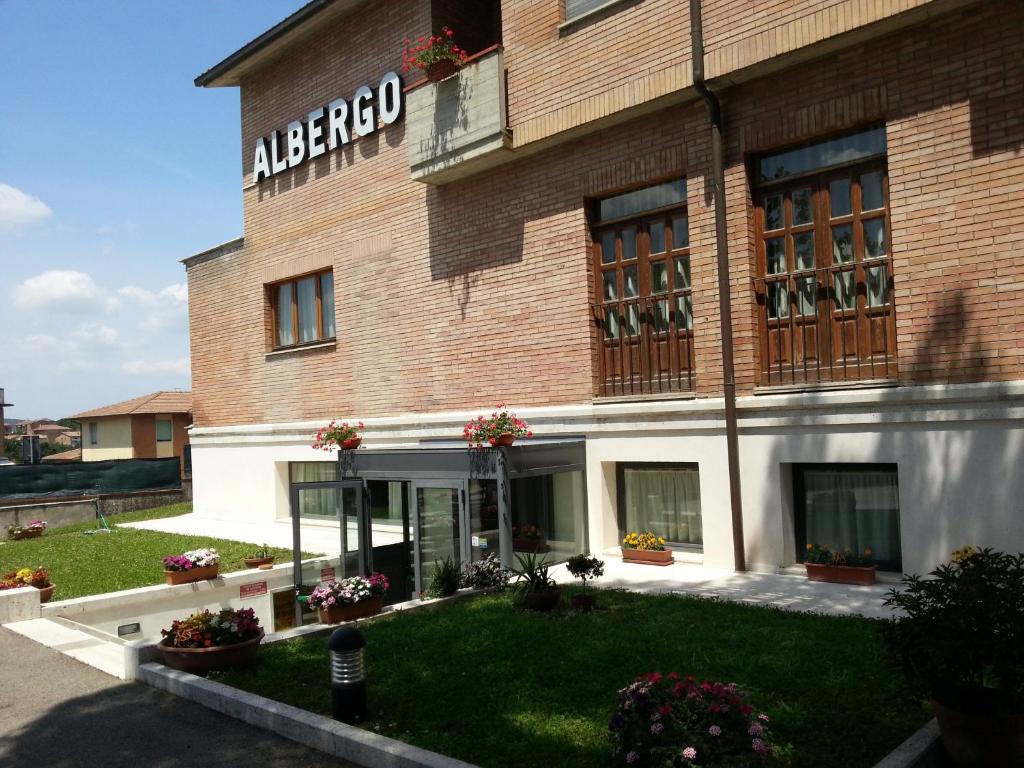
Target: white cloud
[18,209]
[179,367]
[57,288]
[164,308]
[98,332]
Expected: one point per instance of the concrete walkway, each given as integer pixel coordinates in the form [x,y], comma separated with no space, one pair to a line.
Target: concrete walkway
[58,713]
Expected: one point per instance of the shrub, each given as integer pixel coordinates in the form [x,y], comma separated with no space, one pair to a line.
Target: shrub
[532,575]
[673,722]
[961,639]
[488,573]
[354,589]
[206,629]
[445,579]
[585,567]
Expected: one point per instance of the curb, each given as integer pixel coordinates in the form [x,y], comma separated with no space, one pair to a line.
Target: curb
[922,750]
[353,744]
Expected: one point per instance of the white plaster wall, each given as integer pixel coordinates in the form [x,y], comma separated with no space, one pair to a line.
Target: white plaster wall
[113,439]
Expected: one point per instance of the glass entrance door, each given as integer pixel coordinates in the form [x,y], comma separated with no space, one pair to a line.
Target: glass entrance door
[440,527]
[353,529]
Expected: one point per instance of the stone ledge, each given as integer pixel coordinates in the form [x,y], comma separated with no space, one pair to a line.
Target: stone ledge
[922,750]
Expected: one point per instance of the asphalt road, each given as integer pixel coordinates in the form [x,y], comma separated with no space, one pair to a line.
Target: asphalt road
[56,712]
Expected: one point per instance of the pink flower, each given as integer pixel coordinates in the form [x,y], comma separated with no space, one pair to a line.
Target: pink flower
[690,753]
[657,728]
[632,757]
[759,746]
[755,729]
[714,730]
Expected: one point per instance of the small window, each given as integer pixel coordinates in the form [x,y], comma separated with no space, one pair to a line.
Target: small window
[163,431]
[852,506]
[663,499]
[303,310]
[574,9]
[313,471]
[93,433]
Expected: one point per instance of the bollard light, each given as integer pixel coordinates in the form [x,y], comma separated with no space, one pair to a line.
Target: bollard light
[348,675]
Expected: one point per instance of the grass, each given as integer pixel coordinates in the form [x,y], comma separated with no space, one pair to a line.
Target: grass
[487,683]
[88,565]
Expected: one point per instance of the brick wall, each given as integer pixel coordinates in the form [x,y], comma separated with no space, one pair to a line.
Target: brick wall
[453,297]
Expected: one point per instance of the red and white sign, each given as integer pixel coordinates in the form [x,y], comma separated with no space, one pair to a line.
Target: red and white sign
[327,574]
[252,590]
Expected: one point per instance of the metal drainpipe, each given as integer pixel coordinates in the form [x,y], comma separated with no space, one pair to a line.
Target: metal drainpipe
[724,296]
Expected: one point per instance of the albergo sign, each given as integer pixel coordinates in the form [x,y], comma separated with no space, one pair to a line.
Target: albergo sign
[328,128]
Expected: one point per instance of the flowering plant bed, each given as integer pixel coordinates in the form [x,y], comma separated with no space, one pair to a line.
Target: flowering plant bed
[33,530]
[195,565]
[645,547]
[26,577]
[502,428]
[437,55]
[206,641]
[351,598]
[678,721]
[344,436]
[844,567]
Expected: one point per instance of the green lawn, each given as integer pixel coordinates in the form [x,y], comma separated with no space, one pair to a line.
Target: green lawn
[485,682]
[81,564]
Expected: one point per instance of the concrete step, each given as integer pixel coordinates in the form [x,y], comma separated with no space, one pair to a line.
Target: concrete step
[103,655]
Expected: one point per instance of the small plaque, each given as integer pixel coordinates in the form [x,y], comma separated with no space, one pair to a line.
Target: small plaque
[476,541]
[327,574]
[483,542]
[252,590]
[129,629]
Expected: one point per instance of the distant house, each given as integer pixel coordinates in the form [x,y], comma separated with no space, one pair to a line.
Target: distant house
[75,454]
[70,438]
[148,427]
[49,433]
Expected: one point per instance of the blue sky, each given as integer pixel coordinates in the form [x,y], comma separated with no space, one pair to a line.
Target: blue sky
[113,167]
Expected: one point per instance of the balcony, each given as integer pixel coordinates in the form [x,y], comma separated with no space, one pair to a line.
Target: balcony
[829,325]
[645,346]
[458,127]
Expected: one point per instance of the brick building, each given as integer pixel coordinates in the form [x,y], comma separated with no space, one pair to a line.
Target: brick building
[540,229]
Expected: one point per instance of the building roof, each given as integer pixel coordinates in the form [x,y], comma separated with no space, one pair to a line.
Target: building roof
[155,402]
[50,428]
[75,454]
[267,46]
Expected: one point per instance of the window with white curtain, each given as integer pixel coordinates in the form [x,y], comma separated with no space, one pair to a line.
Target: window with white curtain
[663,499]
[303,310]
[851,505]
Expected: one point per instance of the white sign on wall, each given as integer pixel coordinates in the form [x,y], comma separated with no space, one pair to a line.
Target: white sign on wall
[328,128]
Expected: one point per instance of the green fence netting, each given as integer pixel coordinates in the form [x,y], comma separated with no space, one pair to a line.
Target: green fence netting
[89,478]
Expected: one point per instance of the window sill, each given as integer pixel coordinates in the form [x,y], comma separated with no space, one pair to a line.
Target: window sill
[600,399]
[331,344]
[569,24]
[794,389]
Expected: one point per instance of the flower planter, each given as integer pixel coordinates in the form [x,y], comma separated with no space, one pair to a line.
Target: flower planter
[256,562]
[26,535]
[647,556]
[583,603]
[983,739]
[536,546]
[45,593]
[542,601]
[842,574]
[351,444]
[351,611]
[192,574]
[505,439]
[440,70]
[201,661]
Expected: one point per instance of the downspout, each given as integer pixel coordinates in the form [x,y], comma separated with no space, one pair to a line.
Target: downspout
[724,295]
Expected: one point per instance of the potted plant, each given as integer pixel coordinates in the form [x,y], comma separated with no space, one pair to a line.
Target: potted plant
[351,598]
[844,567]
[196,565]
[488,573]
[444,581]
[960,640]
[26,577]
[535,589]
[344,436]
[679,721]
[645,547]
[261,556]
[437,55]
[502,428]
[584,567]
[33,530]
[529,538]
[207,641]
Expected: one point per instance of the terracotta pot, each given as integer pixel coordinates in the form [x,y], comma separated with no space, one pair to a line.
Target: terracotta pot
[647,556]
[45,593]
[351,444]
[583,603]
[256,562]
[27,535]
[542,601]
[265,566]
[983,739]
[338,613]
[201,661]
[192,574]
[440,70]
[505,438]
[842,574]
[537,546]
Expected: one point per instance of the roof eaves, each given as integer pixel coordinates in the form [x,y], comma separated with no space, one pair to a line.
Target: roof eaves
[231,246]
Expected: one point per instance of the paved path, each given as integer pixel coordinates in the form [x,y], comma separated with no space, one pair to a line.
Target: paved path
[58,713]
